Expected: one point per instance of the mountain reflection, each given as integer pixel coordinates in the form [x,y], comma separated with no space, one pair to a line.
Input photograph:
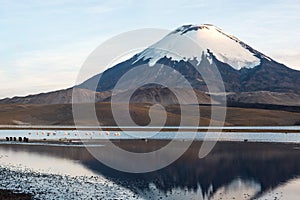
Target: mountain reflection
[254,168]
[266,165]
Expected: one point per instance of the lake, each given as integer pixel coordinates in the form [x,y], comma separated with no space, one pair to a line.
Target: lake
[265,167]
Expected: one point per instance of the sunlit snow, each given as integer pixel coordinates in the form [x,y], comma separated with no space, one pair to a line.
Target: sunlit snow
[192,42]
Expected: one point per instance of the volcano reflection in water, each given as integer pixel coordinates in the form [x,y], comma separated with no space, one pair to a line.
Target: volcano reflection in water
[237,170]
[245,170]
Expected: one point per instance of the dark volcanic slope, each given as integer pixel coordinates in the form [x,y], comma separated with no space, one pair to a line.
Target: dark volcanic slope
[268,76]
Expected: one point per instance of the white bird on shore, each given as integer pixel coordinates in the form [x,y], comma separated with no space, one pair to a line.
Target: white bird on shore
[107,133]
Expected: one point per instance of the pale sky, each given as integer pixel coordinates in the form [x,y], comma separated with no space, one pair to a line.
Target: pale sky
[44,43]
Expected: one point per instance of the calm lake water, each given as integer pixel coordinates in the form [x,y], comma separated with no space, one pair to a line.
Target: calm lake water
[233,170]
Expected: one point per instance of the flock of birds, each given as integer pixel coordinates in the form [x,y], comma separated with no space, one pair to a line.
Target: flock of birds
[91,134]
[62,136]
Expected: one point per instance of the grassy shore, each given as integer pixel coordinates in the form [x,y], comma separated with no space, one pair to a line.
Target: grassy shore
[61,115]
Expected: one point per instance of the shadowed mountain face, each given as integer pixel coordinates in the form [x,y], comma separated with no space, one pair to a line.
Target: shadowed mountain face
[261,166]
[268,76]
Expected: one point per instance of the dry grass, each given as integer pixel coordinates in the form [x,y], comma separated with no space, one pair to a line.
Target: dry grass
[61,114]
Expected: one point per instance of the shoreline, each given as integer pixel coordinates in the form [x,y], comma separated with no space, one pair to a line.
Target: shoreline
[102,142]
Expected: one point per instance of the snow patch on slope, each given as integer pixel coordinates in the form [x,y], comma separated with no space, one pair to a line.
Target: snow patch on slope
[192,42]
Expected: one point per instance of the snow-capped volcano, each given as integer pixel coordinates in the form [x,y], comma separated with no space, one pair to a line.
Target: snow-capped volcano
[247,74]
[205,47]
[207,40]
